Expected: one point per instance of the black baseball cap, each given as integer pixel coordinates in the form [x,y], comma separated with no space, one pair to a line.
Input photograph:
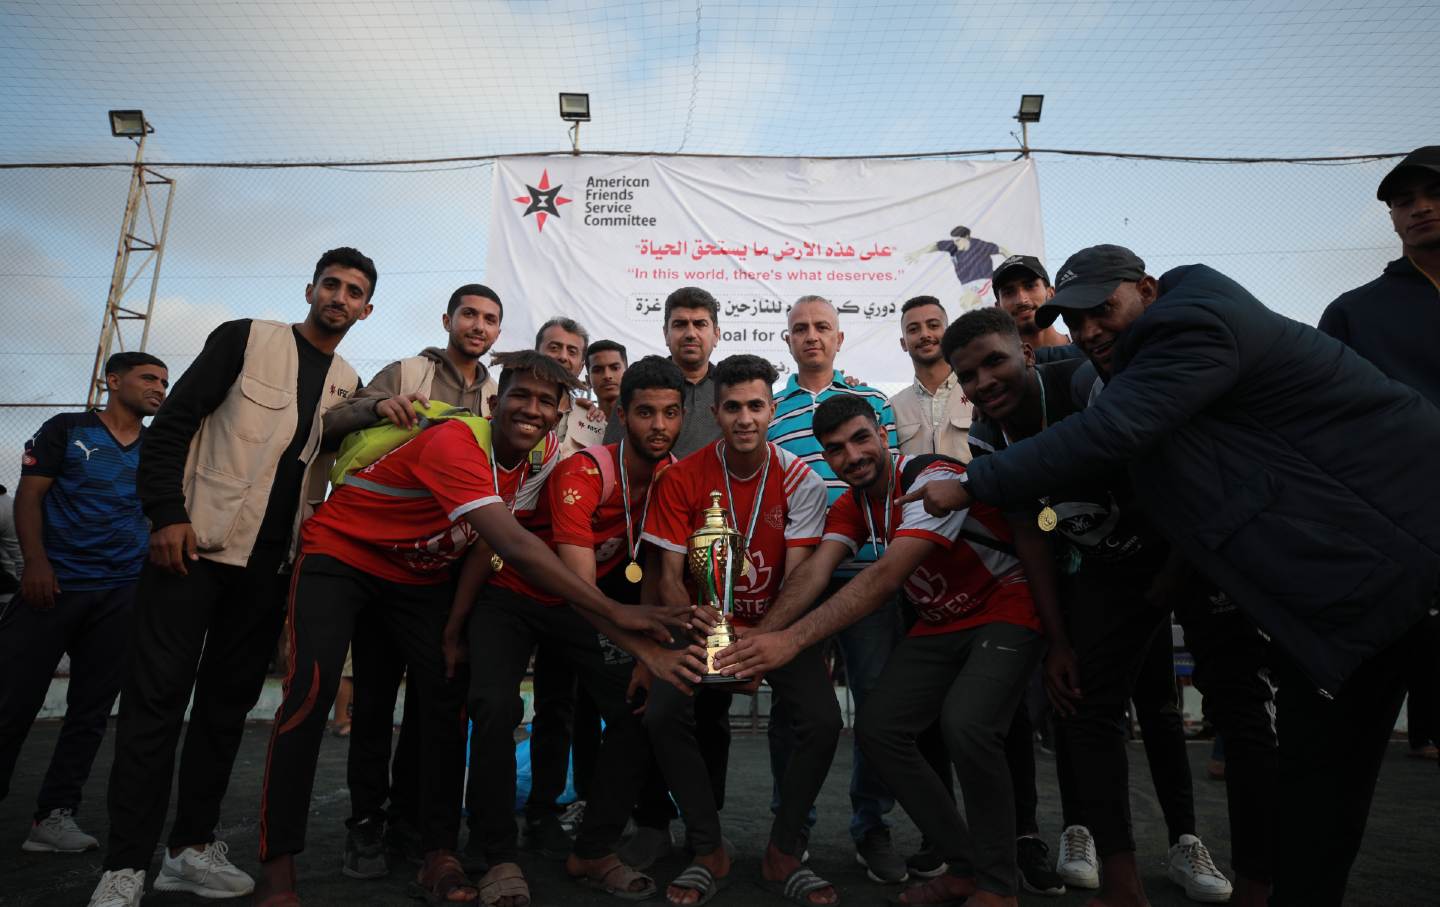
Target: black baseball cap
[1025,264]
[1087,279]
[1426,158]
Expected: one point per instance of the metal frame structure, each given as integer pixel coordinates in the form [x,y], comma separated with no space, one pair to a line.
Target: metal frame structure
[150,245]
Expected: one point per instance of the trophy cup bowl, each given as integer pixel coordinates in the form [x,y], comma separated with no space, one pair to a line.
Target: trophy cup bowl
[716,563]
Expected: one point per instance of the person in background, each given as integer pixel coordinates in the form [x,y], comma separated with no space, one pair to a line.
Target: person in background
[84,539]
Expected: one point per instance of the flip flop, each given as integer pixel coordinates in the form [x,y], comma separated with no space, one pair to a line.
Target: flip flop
[504,880]
[799,885]
[698,878]
[446,876]
[617,879]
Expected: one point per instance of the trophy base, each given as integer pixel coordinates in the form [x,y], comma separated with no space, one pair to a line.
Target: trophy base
[719,679]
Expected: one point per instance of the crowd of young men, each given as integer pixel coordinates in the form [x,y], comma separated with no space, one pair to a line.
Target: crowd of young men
[1031,510]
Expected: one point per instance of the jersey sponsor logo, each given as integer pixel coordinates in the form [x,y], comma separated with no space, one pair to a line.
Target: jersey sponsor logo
[758,574]
[88,450]
[775,517]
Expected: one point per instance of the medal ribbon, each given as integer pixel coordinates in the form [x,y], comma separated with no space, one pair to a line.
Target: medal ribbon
[632,544]
[759,493]
[882,544]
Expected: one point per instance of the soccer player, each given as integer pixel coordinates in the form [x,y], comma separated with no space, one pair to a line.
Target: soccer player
[777,504]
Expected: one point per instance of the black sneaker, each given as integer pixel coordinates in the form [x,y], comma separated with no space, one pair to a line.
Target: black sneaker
[1037,869]
[544,836]
[403,840]
[876,852]
[365,850]
[926,863]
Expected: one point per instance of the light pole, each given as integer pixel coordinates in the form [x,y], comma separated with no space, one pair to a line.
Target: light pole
[131,124]
[574,109]
[1030,105]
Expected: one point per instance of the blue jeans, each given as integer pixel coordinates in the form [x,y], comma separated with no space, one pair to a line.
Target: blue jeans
[865,646]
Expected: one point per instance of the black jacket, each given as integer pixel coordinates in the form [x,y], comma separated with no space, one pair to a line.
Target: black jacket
[1285,467]
[1394,321]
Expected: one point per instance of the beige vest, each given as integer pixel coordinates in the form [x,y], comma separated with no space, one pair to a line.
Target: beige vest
[233,456]
[916,433]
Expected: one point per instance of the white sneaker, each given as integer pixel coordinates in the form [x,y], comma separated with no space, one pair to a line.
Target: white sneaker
[1192,869]
[1076,861]
[207,873]
[58,833]
[119,888]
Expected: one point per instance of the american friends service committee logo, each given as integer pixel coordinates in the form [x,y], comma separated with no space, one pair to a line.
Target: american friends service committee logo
[542,201]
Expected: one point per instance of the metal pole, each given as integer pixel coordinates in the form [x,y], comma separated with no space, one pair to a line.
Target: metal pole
[159,255]
[117,277]
[1024,139]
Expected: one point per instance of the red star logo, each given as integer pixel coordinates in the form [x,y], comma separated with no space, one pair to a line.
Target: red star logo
[542,201]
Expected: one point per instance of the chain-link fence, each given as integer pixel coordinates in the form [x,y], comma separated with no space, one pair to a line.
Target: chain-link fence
[243,242]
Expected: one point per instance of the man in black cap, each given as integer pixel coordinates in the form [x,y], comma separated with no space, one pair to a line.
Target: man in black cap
[1393,321]
[1237,428]
[1022,286]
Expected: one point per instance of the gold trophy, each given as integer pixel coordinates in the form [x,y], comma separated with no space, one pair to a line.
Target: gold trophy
[715,564]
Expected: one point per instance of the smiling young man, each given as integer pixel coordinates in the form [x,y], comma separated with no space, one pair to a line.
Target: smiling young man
[1119,621]
[605,363]
[84,538]
[777,504]
[224,473]
[387,540]
[450,374]
[1021,287]
[966,660]
[1237,429]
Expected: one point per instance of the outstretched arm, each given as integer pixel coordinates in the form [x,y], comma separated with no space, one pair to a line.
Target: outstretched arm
[803,586]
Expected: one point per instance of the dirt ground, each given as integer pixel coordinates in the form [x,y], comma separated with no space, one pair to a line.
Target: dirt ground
[1399,864]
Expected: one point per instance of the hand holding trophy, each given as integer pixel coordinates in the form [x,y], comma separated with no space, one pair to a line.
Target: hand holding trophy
[716,562]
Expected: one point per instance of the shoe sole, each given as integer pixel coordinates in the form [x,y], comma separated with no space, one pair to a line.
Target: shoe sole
[1035,889]
[929,873]
[199,890]
[1200,897]
[1089,883]
[871,873]
[41,847]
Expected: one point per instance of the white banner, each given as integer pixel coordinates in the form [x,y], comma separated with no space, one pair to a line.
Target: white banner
[605,239]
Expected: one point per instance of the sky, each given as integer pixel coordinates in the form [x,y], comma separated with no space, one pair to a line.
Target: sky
[371,80]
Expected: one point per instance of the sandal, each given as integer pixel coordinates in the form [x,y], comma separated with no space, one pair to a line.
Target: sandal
[504,880]
[616,878]
[697,878]
[440,877]
[799,885]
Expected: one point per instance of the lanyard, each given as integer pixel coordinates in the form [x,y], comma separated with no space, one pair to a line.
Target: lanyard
[759,493]
[632,544]
[497,563]
[882,544]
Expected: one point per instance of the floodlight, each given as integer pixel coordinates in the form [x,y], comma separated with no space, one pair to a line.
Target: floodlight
[574,108]
[129,124]
[1030,105]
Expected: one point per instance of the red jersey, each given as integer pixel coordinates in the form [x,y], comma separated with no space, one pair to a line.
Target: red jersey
[416,538]
[579,517]
[523,489]
[792,515]
[964,583]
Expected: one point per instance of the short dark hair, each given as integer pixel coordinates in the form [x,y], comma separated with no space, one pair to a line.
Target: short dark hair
[960,232]
[651,373]
[346,257]
[568,325]
[606,346]
[840,409]
[537,364]
[916,302]
[692,298]
[977,323]
[474,289]
[120,363]
[744,367]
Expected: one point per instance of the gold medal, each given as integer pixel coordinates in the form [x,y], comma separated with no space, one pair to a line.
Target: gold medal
[497,563]
[1048,519]
[633,572]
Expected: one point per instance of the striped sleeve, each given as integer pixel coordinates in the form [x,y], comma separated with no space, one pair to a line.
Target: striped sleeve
[805,504]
